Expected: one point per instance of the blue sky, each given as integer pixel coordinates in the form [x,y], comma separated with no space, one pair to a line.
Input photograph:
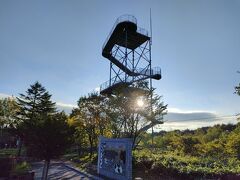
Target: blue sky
[58,43]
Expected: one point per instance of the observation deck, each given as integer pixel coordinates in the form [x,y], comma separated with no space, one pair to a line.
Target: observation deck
[126,33]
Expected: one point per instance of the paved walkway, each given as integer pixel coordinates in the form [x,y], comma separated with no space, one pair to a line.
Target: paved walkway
[59,170]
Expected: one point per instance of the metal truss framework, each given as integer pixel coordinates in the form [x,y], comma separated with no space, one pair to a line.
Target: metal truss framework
[130,57]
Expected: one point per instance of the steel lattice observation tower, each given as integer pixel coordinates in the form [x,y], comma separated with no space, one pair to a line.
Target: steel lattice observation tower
[128,48]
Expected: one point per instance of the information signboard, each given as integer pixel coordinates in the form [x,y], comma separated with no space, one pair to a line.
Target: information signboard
[115,158]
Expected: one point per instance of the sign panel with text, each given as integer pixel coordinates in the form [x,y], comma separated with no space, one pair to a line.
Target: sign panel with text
[115,158]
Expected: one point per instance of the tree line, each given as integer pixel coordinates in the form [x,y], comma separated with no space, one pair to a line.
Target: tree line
[217,142]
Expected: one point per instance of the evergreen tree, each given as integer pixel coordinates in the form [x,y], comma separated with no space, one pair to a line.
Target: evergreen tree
[44,131]
[36,102]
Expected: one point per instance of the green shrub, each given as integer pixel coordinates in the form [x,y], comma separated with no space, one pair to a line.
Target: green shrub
[172,164]
[21,168]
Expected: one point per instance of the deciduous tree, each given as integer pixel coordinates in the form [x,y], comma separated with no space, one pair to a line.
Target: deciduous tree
[90,119]
[132,118]
[8,110]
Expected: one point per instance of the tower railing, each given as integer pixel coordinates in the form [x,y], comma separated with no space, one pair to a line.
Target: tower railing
[112,82]
[142,31]
[141,71]
[149,72]
[125,18]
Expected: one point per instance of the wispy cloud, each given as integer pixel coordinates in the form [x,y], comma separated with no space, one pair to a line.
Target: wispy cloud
[182,125]
[177,110]
[2,95]
[192,119]
[65,107]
